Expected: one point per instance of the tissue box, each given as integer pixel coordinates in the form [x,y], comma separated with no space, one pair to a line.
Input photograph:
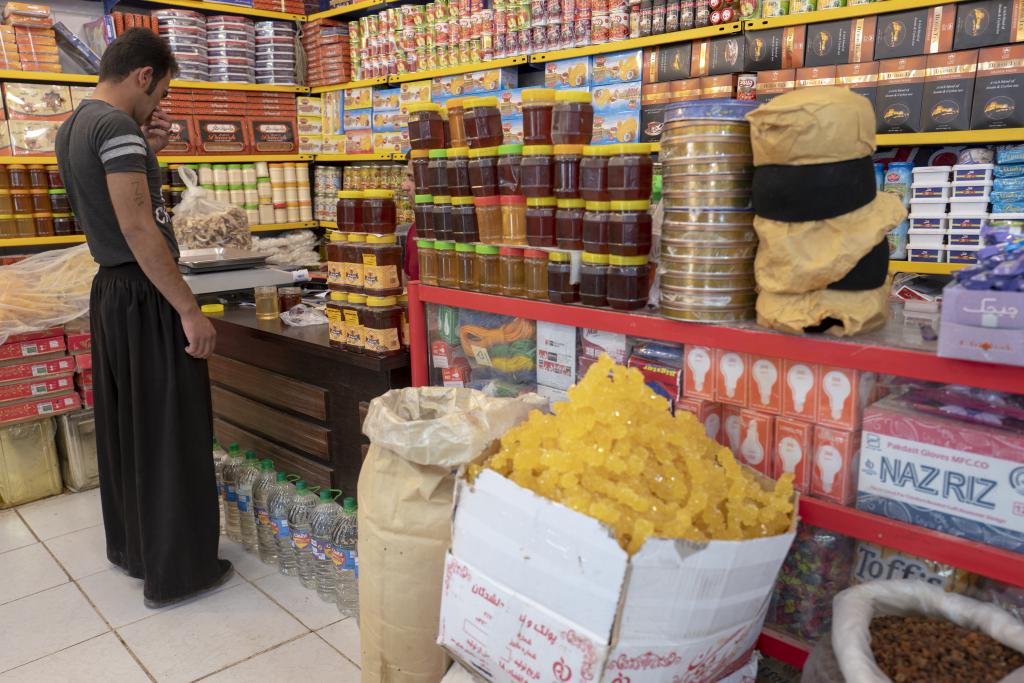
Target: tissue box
[982,325]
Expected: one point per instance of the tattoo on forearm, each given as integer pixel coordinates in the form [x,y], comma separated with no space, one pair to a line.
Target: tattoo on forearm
[138,196]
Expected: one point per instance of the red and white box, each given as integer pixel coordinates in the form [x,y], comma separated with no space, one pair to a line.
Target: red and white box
[731,435]
[83,361]
[88,398]
[698,375]
[800,385]
[79,343]
[38,334]
[34,347]
[844,395]
[442,355]
[708,412]
[731,370]
[764,388]
[794,446]
[757,441]
[35,389]
[457,376]
[32,410]
[37,369]
[834,476]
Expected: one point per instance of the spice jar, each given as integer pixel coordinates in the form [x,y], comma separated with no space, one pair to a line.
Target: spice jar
[456,121]
[628,282]
[540,221]
[381,321]
[561,287]
[26,224]
[537,107]
[630,171]
[63,224]
[335,312]
[379,212]
[537,177]
[594,173]
[37,178]
[18,175]
[629,228]
[566,179]
[352,262]
[488,219]
[572,119]
[569,219]
[444,228]
[420,170]
[349,210]
[40,200]
[483,171]
[336,247]
[596,224]
[488,269]
[426,129]
[353,311]
[464,220]
[427,259]
[510,159]
[382,265]
[59,202]
[21,200]
[6,205]
[458,172]
[512,271]
[469,278]
[483,122]
[438,171]
[513,219]
[53,177]
[423,213]
[8,226]
[535,268]
[447,264]
[594,279]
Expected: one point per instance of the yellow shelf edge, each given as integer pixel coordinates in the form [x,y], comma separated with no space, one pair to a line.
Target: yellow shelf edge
[374,156]
[351,84]
[461,69]
[220,7]
[330,225]
[208,159]
[925,268]
[42,77]
[255,87]
[634,43]
[40,241]
[951,137]
[851,12]
[274,227]
[347,9]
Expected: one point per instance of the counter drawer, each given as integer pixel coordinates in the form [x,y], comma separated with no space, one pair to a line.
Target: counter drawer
[258,418]
[284,459]
[269,387]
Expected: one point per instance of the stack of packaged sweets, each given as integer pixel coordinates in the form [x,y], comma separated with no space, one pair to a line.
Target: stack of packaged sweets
[229,47]
[27,38]
[185,31]
[275,53]
[328,53]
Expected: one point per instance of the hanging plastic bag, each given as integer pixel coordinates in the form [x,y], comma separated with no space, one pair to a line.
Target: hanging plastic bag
[201,221]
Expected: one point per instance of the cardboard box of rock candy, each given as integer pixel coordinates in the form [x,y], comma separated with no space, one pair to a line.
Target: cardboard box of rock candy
[900,94]
[999,88]
[18,351]
[20,372]
[982,325]
[34,409]
[35,389]
[585,609]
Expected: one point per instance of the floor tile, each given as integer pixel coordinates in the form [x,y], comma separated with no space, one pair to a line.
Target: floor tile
[118,597]
[44,623]
[63,514]
[81,552]
[204,636]
[13,532]
[247,564]
[304,604]
[305,659]
[100,660]
[28,570]
[344,636]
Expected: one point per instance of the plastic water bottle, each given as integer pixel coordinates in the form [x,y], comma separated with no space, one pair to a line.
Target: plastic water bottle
[299,511]
[230,475]
[280,500]
[261,491]
[220,456]
[246,477]
[346,563]
[320,569]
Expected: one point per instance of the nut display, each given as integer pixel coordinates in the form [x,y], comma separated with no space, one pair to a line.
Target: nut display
[225,229]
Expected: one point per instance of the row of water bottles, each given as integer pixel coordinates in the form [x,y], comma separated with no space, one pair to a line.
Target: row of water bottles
[279,517]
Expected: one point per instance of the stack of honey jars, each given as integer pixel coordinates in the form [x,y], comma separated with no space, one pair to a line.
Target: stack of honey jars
[708,241]
[34,203]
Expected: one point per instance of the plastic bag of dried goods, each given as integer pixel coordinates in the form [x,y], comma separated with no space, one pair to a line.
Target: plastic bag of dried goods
[201,221]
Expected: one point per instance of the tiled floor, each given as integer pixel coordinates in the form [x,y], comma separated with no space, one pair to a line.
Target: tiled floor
[66,615]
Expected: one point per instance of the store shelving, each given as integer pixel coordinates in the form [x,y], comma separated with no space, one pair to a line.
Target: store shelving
[39,77]
[634,43]
[373,156]
[351,8]
[203,159]
[962,137]
[924,268]
[87,79]
[329,225]
[276,227]
[210,85]
[351,84]
[225,8]
[850,12]
[460,69]
[6,242]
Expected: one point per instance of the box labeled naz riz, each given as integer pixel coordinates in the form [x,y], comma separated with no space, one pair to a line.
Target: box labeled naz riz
[948,91]
[778,48]
[999,88]
[926,31]
[900,93]
[847,41]
[988,22]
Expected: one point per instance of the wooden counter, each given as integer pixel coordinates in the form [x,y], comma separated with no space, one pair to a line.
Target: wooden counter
[287,394]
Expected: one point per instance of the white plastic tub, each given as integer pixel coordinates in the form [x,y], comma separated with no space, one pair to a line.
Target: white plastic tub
[931,174]
[929,191]
[982,172]
[936,255]
[926,239]
[927,222]
[971,206]
[928,207]
[972,189]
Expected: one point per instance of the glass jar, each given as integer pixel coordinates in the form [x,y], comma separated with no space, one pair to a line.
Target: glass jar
[464,220]
[446,130]
[458,172]
[512,271]
[382,265]
[379,212]
[6,205]
[594,279]
[540,221]
[510,159]
[483,122]
[8,225]
[335,312]
[336,247]
[18,175]
[513,219]
[572,119]
[488,268]
[21,200]
[420,170]
[427,258]
[561,288]
[469,278]
[355,335]
[423,212]
[630,171]
[349,210]
[59,202]
[438,171]
[352,262]
[40,200]
[5,177]
[628,282]
[26,224]
[629,228]
[381,321]
[447,264]
[594,173]
[37,178]
[288,298]
[537,176]
[53,177]
[444,226]
[566,178]
[403,303]
[44,223]
[596,219]
[483,171]
[488,219]
[426,129]
[535,268]
[63,224]
[569,220]
[538,104]
[456,121]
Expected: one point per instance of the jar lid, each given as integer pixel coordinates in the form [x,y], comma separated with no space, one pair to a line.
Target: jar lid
[61,190]
[570,203]
[541,201]
[455,102]
[21,216]
[381,301]
[356,298]
[535,253]
[510,150]
[415,107]
[538,150]
[486,201]
[489,249]
[43,214]
[542,95]
[336,237]
[458,152]
[483,152]
[598,259]
[54,167]
[598,206]
[465,247]
[577,96]
[339,296]
[378,194]
[381,239]
[438,154]
[356,237]
[512,200]
[559,256]
[596,150]
[9,216]
[617,260]
[444,245]
[630,148]
[403,298]
[350,194]
[630,205]
[36,167]
[442,199]
[212,308]
[462,201]
[424,199]
[511,251]
[38,190]
[568,149]
[63,215]
[4,191]
[19,167]
[424,244]
[472,102]
[418,153]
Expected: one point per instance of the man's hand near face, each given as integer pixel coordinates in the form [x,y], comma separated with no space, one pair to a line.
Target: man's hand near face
[157,130]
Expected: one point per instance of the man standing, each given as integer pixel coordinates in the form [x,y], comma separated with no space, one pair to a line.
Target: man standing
[150,340]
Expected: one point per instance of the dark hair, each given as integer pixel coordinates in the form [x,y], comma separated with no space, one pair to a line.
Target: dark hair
[134,49]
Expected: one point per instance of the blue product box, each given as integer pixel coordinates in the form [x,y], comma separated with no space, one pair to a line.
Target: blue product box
[389,99]
[616,97]
[389,121]
[510,102]
[568,73]
[616,127]
[512,126]
[618,67]
[357,119]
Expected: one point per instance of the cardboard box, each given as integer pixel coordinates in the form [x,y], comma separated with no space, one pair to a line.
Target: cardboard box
[847,41]
[593,343]
[83,362]
[357,119]
[359,141]
[771,84]
[568,73]
[581,606]
[33,138]
[982,325]
[35,409]
[616,97]
[35,335]
[38,369]
[943,474]
[310,125]
[275,135]
[77,343]
[924,31]
[665,380]
[667,63]
[723,55]
[774,49]
[359,98]
[758,440]
[860,78]
[732,428]
[617,67]
[181,139]
[874,562]
[652,122]
[455,377]
[556,355]
[801,383]
[844,395]
[900,94]
[708,412]
[792,451]
[512,130]
[389,121]
[999,88]
[37,101]
[949,91]
[221,135]
[391,143]
[614,127]
[834,476]
[988,22]
[815,76]
[764,384]
[732,372]
[699,376]
[387,99]
[309,106]
[712,87]
[30,348]
[36,389]
[552,395]
[413,91]
[510,102]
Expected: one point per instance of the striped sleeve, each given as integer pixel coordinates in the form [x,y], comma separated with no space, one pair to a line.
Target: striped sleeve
[120,145]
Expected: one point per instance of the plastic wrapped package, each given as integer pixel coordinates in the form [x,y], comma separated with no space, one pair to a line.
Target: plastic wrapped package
[200,221]
[294,249]
[28,463]
[500,349]
[76,443]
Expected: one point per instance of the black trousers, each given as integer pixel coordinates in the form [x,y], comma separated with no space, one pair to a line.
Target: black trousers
[154,429]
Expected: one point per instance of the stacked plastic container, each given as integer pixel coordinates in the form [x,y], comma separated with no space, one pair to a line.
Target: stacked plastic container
[948,207]
[708,241]
[230,41]
[275,53]
[185,31]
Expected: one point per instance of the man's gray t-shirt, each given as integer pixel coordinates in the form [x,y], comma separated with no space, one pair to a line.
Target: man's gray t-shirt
[96,140]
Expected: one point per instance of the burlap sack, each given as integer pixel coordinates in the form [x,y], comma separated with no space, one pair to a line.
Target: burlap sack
[861,311]
[419,437]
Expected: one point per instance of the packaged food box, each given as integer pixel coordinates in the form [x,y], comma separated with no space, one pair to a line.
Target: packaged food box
[718,56]
[966,221]
[310,125]
[815,76]
[359,141]
[272,135]
[414,91]
[718,87]
[971,188]
[926,239]
[999,88]
[37,408]
[927,222]
[36,101]
[771,84]
[616,127]
[617,97]
[774,49]
[874,562]
[14,351]
[556,355]
[949,91]
[36,369]
[359,98]
[182,137]
[667,63]
[932,190]
[35,389]
[510,102]
[982,172]
[965,255]
[757,441]
[354,120]
[490,80]
[568,73]
[900,94]
[308,106]
[512,130]
[389,121]
[793,450]
[396,142]
[963,238]
[926,255]
[846,41]
[79,93]
[617,67]
[915,32]
[311,144]
[387,99]
[221,135]
[988,22]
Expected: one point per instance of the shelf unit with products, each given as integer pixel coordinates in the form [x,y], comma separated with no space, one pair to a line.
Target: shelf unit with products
[635,43]
[225,8]
[849,12]
[351,9]
[460,69]
[59,240]
[924,268]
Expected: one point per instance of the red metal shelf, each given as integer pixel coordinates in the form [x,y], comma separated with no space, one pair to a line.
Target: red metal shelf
[783,647]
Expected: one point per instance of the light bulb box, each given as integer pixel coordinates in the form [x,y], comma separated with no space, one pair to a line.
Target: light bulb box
[957,477]
[698,372]
[731,370]
[834,471]
[556,355]
[576,607]
[731,435]
[844,395]
[792,450]
[757,440]
[764,385]
[708,412]
[801,383]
